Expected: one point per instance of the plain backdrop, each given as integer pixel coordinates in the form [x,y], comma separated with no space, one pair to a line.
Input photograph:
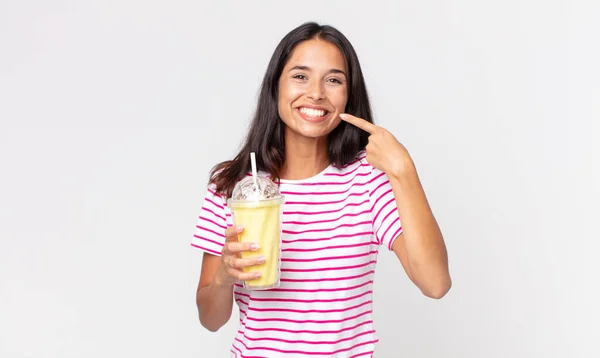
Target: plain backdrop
[113,112]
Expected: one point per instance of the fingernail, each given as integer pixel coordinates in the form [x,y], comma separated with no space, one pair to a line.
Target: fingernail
[257,274]
[261,260]
[239,228]
[343,116]
[255,247]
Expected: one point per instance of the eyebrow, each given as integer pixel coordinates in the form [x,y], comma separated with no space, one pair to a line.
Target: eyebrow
[306,68]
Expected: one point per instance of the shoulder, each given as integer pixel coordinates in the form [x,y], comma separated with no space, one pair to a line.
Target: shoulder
[374,179]
[357,169]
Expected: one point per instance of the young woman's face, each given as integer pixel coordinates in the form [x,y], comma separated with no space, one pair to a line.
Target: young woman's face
[313,89]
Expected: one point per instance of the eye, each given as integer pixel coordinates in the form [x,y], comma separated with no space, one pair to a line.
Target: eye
[335,80]
[299,76]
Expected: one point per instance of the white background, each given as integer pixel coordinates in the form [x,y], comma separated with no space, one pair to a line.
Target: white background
[113,112]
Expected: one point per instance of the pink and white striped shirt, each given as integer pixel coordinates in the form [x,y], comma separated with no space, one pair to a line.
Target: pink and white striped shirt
[333,226]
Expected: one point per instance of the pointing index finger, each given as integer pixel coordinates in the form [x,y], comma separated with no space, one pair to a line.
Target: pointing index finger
[359,122]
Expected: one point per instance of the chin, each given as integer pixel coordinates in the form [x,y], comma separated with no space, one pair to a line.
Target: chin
[313,130]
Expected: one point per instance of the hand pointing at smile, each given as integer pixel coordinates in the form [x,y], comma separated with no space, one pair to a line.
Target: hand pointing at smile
[384,152]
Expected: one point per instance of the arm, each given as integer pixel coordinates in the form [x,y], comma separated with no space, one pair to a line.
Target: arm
[420,247]
[213,298]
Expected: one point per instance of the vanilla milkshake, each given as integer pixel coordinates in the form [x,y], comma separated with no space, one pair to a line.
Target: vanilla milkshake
[256,205]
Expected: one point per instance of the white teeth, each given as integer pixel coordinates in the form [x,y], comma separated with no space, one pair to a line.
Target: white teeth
[312,112]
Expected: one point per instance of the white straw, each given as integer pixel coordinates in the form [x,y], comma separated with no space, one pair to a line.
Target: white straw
[254,174]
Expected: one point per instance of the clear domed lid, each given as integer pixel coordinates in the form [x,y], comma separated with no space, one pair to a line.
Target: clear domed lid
[264,189]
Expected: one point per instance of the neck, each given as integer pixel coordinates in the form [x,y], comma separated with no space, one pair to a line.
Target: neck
[304,157]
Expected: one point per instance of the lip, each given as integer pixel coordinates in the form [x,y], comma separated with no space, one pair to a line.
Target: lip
[313,107]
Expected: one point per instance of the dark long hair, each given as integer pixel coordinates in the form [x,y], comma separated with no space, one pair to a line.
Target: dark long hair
[266,136]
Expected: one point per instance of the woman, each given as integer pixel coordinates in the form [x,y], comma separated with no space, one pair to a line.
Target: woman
[347,183]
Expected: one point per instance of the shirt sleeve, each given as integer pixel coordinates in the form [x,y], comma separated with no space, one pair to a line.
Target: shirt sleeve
[386,220]
[209,235]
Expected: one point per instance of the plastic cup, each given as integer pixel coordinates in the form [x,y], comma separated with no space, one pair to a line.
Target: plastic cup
[256,204]
[262,225]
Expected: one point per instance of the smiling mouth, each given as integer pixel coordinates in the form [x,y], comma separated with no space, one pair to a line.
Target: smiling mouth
[312,114]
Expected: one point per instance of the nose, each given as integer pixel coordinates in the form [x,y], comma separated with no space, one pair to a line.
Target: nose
[315,91]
